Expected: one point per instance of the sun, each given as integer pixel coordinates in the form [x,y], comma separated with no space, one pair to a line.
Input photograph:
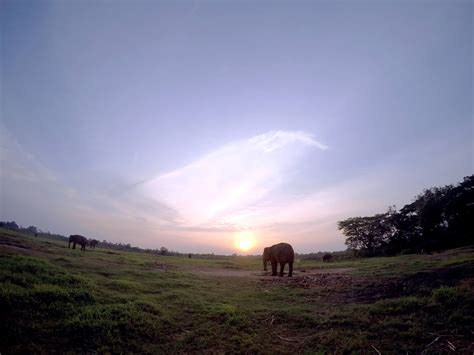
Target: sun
[244,241]
[245,244]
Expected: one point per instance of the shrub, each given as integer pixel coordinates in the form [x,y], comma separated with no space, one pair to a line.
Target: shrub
[448,296]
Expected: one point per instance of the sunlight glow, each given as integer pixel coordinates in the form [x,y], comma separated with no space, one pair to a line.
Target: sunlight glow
[245,244]
[245,241]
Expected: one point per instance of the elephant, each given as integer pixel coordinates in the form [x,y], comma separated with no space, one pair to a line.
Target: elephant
[93,243]
[327,257]
[79,239]
[281,253]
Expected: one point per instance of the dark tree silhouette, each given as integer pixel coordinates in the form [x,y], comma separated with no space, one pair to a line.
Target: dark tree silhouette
[32,230]
[366,233]
[9,225]
[438,218]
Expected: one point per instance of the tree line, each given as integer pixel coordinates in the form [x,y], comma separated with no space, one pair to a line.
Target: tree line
[31,230]
[438,218]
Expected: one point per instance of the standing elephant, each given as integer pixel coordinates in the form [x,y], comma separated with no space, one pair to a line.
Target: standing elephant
[281,253]
[79,239]
[93,243]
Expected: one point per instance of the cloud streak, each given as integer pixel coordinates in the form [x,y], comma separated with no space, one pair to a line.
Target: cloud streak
[231,178]
[16,163]
[242,185]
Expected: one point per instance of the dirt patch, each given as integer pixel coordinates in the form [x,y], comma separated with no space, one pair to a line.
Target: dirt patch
[111,252]
[335,270]
[226,272]
[17,249]
[232,272]
[162,267]
[334,287]
[229,272]
[311,280]
[420,283]
[13,245]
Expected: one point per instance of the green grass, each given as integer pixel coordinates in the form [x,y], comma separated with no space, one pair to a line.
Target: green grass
[405,264]
[52,297]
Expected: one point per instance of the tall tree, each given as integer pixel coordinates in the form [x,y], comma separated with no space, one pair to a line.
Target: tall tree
[366,233]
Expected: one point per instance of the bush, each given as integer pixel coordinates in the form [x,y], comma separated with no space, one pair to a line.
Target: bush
[448,296]
[228,314]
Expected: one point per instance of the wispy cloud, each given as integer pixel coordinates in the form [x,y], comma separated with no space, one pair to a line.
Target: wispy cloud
[232,178]
[16,163]
[202,204]
[244,184]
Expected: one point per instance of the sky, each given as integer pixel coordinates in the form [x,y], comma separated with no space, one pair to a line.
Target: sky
[195,125]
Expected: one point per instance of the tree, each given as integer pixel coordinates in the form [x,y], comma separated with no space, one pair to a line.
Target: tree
[459,212]
[163,251]
[31,230]
[10,225]
[366,233]
[406,231]
[438,218]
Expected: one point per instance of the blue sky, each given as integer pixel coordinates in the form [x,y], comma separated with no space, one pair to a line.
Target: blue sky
[194,124]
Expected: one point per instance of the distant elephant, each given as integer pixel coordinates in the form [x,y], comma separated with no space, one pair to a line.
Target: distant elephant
[79,239]
[93,243]
[281,253]
[327,257]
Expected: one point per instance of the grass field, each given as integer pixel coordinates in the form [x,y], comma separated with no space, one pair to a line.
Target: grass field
[57,299]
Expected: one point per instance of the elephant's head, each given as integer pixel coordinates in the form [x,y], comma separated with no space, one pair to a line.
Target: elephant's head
[266,257]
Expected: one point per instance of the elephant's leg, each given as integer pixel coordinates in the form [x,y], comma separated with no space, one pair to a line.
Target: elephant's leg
[274,268]
[74,245]
[282,267]
[290,273]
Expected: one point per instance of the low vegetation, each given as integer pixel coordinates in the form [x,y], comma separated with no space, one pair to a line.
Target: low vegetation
[55,298]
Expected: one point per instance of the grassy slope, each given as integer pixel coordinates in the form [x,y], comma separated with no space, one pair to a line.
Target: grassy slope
[52,297]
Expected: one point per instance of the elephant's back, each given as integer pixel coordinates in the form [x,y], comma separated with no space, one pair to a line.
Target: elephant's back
[77,238]
[284,252]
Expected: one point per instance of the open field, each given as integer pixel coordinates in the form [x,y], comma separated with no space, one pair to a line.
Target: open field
[57,299]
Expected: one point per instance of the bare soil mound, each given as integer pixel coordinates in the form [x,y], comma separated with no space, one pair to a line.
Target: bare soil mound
[297,274]
[348,288]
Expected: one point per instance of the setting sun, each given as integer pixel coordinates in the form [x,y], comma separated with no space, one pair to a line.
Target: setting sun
[245,241]
[245,244]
